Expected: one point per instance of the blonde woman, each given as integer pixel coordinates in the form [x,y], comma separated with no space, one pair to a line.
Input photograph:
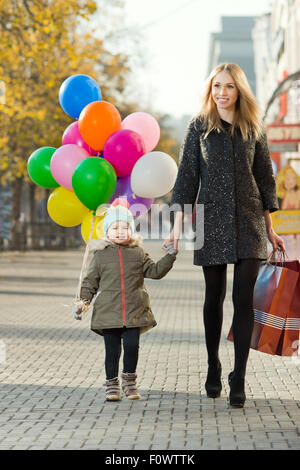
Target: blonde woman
[288,188]
[226,153]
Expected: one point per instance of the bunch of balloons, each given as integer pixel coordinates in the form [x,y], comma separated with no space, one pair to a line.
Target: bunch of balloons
[101,158]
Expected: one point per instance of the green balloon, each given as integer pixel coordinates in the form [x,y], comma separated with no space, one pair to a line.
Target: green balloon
[38,167]
[94,181]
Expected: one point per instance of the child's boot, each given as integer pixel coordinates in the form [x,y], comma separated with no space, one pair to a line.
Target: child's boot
[129,386]
[113,392]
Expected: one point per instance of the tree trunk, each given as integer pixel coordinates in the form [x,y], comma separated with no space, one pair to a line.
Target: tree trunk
[33,225]
[17,241]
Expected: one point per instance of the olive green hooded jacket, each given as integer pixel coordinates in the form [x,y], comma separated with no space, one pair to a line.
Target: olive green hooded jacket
[118,271]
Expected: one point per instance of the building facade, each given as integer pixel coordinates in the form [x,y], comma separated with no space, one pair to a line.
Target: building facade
[234,44]
[276,38]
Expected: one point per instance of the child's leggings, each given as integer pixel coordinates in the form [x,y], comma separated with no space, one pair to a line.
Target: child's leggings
[112,340]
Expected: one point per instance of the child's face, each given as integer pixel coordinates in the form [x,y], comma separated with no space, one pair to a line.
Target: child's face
[290,180]
[119,232]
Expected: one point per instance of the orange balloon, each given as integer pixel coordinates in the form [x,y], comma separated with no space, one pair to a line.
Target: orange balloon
[97,121]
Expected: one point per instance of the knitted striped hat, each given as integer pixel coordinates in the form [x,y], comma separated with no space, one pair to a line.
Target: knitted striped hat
[117,213]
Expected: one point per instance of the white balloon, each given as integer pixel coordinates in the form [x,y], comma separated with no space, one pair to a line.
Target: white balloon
[153,175]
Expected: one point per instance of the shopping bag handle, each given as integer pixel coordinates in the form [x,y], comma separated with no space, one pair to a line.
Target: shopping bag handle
[283,256]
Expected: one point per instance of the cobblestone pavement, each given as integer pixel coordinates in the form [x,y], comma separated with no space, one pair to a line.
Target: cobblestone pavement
[51,383]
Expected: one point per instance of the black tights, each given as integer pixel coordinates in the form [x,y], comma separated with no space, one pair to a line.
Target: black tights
[112,340]
[245,274]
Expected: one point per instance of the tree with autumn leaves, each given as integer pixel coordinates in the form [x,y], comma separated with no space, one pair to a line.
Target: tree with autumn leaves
[41,43]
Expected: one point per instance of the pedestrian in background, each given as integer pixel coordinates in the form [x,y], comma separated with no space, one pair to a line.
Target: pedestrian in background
[122,308]
[225,152]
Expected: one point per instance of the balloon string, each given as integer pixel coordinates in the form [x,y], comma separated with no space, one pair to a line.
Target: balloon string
[85,257]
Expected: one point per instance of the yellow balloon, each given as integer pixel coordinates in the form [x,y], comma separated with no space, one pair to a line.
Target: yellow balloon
[65,208]
[86,226]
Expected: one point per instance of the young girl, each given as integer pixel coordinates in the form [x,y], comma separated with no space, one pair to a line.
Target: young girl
[122,308]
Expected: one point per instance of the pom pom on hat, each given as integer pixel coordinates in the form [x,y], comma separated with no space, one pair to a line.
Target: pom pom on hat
[116,214]
[121,202]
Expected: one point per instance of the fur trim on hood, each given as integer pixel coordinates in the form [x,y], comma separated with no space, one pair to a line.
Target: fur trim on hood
[101,243]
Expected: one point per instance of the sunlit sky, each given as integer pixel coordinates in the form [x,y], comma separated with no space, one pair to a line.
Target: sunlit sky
[175,42]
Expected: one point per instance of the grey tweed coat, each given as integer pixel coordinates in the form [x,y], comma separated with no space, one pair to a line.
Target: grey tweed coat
[235,182]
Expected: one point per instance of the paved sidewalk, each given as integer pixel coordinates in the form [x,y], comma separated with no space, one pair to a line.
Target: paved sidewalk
[51,385]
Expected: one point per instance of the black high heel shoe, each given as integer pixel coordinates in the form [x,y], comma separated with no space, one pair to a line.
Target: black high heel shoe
[213,385]
[237,396]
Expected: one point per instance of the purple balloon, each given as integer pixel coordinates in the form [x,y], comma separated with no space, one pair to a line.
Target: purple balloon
[73,136]
[122,149]
[123,188]
[137,205]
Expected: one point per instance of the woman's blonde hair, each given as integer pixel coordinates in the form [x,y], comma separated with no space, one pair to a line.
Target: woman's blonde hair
[247,114]
[280,179]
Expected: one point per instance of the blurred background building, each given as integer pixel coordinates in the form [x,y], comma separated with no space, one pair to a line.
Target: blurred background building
[276,39]
[234,44]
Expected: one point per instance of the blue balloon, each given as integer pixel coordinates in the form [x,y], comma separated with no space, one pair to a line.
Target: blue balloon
[76,92]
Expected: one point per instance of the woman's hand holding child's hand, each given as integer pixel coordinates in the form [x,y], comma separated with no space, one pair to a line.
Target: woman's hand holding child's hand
[169,248]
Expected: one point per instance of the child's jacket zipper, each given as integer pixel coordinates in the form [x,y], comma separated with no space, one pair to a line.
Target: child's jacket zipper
[122,286]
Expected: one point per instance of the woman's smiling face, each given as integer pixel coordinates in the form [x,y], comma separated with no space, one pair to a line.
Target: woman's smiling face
[224,91]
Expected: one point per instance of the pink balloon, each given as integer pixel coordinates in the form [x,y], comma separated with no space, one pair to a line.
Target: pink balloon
[73,136]
[145,125]
[63,163]
[122,149]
